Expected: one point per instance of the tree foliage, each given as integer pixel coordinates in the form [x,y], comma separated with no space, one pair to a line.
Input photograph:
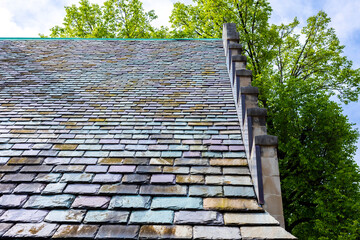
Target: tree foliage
[297,72]
[115,19]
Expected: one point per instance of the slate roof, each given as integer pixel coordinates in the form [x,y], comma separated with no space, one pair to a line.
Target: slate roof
[123,139]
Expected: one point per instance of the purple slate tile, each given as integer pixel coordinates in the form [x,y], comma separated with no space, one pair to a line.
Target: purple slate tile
[7,187]
[236,148]
[192,154]
[91,202]
[82,188]
[109,141]
[218,148]
[29,188]
[12,200]
[96,169]
[107,178]
[24,215]
[163,178]
[122,169]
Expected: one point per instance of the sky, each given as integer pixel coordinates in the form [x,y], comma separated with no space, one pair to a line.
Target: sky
[28,18]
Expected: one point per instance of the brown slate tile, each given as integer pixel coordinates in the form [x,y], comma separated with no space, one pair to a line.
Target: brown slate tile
[165,232]
[76,231]
[231,204]
[119,189]
[163,190]
[25,160]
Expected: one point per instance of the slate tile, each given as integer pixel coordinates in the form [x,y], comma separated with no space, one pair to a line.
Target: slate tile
[106,216]
[24,215]
[4,227]
[205,170]
[119,189]
[37,168]
[28,230]
[7,187]
[148,154]
[212,232]
[9,168]
[70,153]
[122,154]
[136,202]
[122,169]
[47,177]
[163,190]
[177,170]
[150,217]
[263,232]
[87,160]
[118,232]
[204,190]
[18,177]
[76,231]
[26,160]
[29,188]
[161,161]
[136,178]
[50,201]
[239,191]
[65,216]
[249,219]
[69,168]
[163,178]
[176,203]
[57,160]
[165,232]
[53,188]
[96,169]
[199,217]
[82,188]
[77,177]
[107,178]
[91,202]
[231,204]
[148,169]
[97,154]
[12,200]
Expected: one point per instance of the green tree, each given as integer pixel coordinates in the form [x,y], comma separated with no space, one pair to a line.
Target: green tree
[320,180]
[115,19]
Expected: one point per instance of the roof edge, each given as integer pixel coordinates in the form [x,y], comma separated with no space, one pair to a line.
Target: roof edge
[115,39]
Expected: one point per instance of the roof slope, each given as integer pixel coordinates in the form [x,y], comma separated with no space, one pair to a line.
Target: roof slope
[123,139]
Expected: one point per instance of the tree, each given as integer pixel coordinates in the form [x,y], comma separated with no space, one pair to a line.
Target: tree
[320,180]
[115,19]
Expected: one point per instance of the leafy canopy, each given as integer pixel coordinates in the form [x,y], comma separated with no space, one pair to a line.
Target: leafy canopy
[297,73]
[115,19]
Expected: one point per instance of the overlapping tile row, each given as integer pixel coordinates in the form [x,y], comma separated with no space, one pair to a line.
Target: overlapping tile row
[122,139]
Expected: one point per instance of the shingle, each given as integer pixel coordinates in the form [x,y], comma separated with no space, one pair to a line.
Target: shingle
[118,232]
[76,231]
[165,232]
[31,230]
[149,217]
